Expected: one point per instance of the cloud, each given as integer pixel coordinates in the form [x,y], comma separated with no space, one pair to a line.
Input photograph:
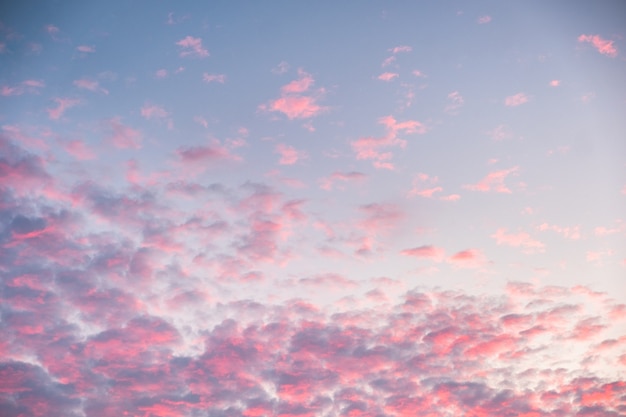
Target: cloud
[91,85]
[293,103]
[423,186]
[555,83]
[209,78]
[124,137]
[387,76]
[494,181]
[605,47]
[281,68]
[516,100]
[62,105]
[469,258]
[79,150]
[483,19]
[288,154]
[455,102]
[191,46]
[86,49]
[399,49]
[151,111]
[329,182]
[520,239]
[427,252]
[369,148]
[572,233]
[26,86]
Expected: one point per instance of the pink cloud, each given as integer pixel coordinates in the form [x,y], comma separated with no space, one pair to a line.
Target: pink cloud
[337,176]
[201,155]
[572,233]
[90,85]
[483,19]
[192,47]
[151,111]
[62,105]
[418,73]
[26,86]
[555,83]
[387,76]
[398,49]
[124,137]
[469,259]
[79,150]
[605,47]
[218,78]
[494,181]
[292,103]
[86,48]
[288,154]
[300,85]
[455,101]
[51,29]
[516,100]
[428,252]
[423,186]
[162,73]
[370,148]
[521,239]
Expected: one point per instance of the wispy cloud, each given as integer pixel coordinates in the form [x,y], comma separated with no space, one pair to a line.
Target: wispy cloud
[91,85]
[86,49]
[483,19]
[519,239]
[63,104]
[516,100]
[331,181]
[605,47]
[191,46]
[209,78]
[371,148]
[122,136]
[494,181]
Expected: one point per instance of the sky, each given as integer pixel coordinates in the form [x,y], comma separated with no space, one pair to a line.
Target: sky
[359,208]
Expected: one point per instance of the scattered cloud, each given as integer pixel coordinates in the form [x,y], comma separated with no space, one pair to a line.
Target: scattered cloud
[331,181]
[494,181]
[209,78]
[288,154]
[293,103]
[387,76]
[122,136]
[63,104]
[151,111]
[605,47]
[455,102]
[555,83]
[91,85]
[516,100]
[369,148]
[483,19]
[520,239]
[86,49]
[426,252]
[191,46]
[424,186]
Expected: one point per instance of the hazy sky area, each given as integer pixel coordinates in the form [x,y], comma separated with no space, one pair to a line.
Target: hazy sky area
[288,208]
